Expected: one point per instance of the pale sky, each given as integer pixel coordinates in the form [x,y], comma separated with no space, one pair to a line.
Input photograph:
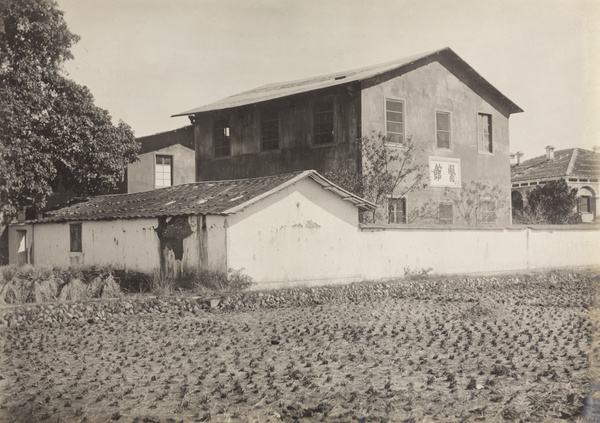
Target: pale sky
[145,60]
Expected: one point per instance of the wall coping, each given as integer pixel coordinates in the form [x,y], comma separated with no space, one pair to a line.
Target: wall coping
[450,228]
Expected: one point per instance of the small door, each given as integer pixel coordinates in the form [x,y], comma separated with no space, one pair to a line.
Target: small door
[22,251]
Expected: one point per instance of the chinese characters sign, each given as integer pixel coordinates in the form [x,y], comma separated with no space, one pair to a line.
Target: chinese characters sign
[444,172]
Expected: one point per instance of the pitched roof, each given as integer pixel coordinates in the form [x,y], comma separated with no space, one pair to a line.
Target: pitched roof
[183,136]
[572,162]
[209,197]
[279,90]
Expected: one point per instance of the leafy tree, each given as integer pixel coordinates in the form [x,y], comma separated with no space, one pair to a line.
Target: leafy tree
[384,169]
[553,203]
[476,202]
[50,130]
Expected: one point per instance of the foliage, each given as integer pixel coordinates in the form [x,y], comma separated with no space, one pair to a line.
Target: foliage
[51,133]
[476,202]
[387,169]
[551,203]
[202,280]
[427,212]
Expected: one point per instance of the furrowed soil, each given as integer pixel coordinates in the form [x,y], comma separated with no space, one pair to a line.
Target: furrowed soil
[436,351]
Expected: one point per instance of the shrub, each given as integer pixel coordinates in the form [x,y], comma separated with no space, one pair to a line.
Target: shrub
[131,281]
[161,283]
[206,280]
[555,202]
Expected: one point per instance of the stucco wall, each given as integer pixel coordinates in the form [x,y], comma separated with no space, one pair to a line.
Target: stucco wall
[140,175]
[302,234]
[432,88]
[131,244]
[286,255]
[128,243]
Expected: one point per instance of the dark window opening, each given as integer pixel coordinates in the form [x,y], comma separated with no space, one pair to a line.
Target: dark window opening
[75,235]
[585,204]
[446,215]
[323,121]
[222,141]
[270,130]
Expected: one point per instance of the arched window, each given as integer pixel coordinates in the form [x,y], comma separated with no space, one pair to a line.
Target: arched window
[586,201]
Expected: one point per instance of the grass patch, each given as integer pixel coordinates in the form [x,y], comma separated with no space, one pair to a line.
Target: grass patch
[203,280]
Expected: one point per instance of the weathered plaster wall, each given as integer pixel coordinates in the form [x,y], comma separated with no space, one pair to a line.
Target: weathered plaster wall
[131,244]
[287,255]
[432,88]
[301,234]
[296,149]
[173,244]
[140,175]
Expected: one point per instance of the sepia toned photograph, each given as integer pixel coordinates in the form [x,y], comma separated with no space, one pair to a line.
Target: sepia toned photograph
[299,211]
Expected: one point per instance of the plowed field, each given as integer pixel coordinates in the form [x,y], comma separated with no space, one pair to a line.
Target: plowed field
[454,352]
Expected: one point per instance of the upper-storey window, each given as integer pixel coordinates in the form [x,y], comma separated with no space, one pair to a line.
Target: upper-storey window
[484,129]
[163,171]
[394,120]
[442,126]
[323,121]
[269,136]
[221,140]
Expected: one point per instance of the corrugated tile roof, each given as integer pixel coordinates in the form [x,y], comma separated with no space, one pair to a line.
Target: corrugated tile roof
[209,197]
[284,89]
[572,162]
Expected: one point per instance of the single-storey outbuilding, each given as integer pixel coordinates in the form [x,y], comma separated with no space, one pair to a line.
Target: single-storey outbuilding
[278,228]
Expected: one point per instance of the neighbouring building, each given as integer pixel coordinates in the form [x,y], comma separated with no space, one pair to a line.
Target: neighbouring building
[578,167]
[457,117]
[165,159]
[202,224]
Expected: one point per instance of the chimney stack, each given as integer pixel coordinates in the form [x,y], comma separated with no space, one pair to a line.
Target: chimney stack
[596,149]
[518,156]
[550,152]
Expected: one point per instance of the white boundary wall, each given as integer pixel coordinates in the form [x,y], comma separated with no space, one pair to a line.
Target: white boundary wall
[323,257]
[385,253]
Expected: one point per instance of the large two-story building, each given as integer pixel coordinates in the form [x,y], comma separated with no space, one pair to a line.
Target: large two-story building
[458,120]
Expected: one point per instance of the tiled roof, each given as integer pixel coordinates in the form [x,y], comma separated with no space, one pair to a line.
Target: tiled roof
[210,197]
[284,89]
[573,162]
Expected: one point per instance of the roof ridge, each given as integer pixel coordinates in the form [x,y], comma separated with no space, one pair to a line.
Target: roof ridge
[285,89]
[571,165]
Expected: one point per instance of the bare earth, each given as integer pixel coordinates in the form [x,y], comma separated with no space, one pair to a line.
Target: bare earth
[480,353]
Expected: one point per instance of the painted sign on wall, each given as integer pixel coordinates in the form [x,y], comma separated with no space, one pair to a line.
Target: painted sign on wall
[444,172]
